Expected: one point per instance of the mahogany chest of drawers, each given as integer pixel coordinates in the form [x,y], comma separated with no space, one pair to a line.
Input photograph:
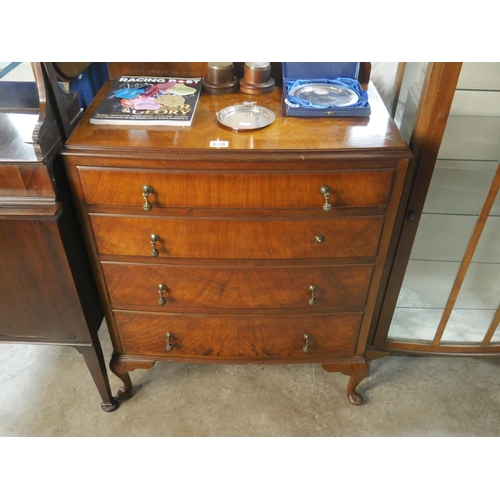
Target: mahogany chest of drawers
[269,250]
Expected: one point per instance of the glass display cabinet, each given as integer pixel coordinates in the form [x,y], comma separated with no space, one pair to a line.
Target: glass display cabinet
[443,290]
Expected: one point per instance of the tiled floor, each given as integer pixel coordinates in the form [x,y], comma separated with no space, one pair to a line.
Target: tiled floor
[47,391]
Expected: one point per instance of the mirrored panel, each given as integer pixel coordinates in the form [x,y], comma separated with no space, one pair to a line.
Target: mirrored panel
[409,97]
[18,91]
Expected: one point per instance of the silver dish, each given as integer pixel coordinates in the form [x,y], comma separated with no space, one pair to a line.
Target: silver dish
[246,116]
[320,94]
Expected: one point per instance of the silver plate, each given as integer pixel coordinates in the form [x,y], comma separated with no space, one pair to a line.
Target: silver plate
[320,94]
[246,116]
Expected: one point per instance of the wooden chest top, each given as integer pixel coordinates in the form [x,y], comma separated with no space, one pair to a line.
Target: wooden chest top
[299,137]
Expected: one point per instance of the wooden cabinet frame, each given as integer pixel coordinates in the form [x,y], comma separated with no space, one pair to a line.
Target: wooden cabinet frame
[49,292]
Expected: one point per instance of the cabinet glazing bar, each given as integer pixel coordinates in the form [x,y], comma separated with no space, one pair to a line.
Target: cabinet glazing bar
[491,330]
[469,253]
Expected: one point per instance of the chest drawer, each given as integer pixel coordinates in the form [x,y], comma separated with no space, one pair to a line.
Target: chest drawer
[251,338]
[234,288]
[123,187]
[237,239]
[22,182]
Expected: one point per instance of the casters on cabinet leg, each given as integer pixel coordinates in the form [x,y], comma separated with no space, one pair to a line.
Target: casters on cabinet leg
[357,370]
[109,407]
[97,366]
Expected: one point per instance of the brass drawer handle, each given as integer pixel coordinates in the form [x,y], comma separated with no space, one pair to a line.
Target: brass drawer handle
[146,191]
[162,288]
[307,337]
[154,240]
[169,345]
[313,289]
[325,191]
[319,238]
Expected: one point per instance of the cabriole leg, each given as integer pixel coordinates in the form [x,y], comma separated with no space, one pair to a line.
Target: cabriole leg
[121,367]
[356,369]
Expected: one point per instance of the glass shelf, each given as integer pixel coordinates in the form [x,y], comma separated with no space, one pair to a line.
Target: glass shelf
[429,283]
[464,325]
[473,138]
[479,76]
[460,186]
[444,237]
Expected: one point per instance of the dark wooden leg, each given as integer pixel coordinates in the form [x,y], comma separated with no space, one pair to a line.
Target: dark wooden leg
[97,367]
[356,369]
[121,367]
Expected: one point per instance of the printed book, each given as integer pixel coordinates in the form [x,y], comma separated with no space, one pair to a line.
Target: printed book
[150,100]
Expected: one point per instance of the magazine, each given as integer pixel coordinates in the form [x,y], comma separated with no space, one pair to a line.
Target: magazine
[150,100]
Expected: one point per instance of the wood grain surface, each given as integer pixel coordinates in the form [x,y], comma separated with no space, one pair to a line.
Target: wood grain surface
[239,338]
[294,135]
[237,239]
[242,233]
[26,180]
[132,286]
[235,190]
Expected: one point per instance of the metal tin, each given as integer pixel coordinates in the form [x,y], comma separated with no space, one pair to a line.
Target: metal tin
[319,94]
[220,73]
[220,78]
[257,78]
[257,73]
[246,116]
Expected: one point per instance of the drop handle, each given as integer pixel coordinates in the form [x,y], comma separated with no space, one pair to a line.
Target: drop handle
[169,337]
[313,289]
[154,240]
[326,191]
[307,337]
[146,192]
[161,299]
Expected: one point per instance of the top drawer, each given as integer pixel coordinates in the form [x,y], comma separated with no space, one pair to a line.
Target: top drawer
[234,190]
[23,181]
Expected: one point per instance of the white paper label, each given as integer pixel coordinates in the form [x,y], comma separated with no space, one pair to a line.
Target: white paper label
[219,144]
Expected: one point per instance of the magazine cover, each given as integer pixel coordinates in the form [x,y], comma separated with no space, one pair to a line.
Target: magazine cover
[150,100]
